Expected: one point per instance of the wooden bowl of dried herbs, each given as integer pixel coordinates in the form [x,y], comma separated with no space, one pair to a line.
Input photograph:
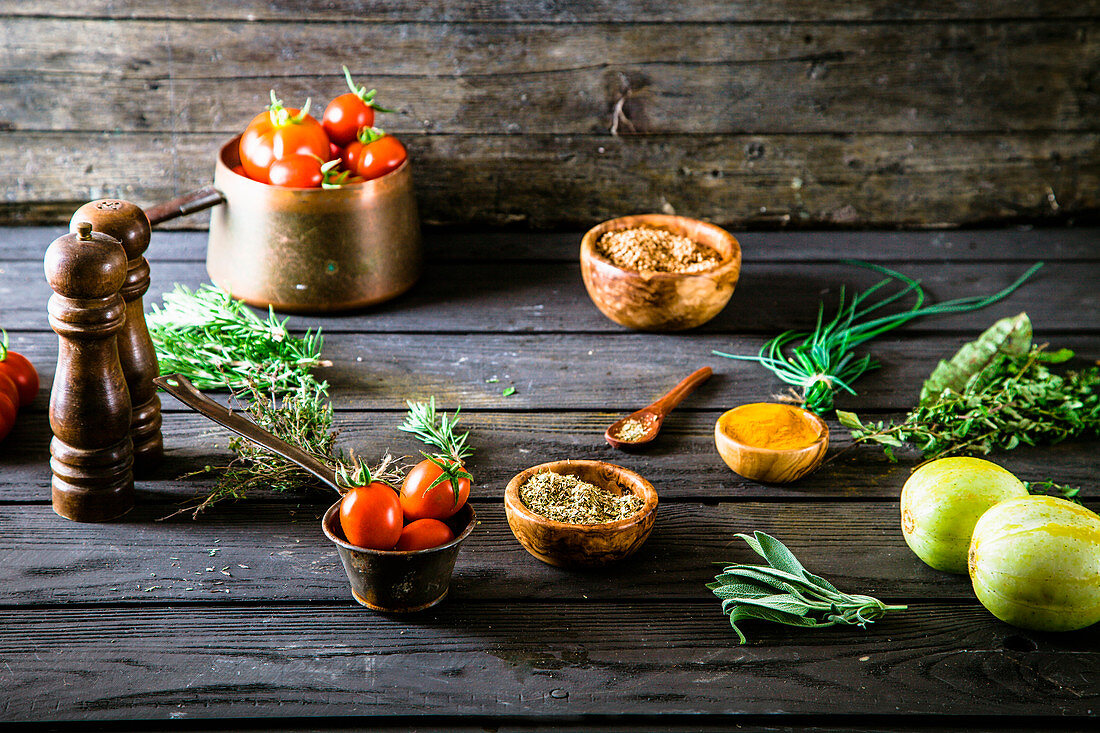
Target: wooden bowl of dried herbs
[580,513]
[655,272]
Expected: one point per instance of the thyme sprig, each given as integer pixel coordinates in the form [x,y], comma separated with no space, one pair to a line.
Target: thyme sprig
[822,361]
[1012,401]
[302,418]
[220,343]
[784,592]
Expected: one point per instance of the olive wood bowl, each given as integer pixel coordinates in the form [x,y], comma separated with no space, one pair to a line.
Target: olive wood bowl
[582,545]
[661,301]
[768,465]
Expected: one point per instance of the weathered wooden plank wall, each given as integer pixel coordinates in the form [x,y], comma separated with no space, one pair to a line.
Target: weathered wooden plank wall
[783,112]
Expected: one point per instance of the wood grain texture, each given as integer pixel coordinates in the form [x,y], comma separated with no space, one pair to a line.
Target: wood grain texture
[1021,244]
[496,658]
[682,463]
[541,297]
[558,11]
[190,76]
[380,371]
[574,181]
[769,114]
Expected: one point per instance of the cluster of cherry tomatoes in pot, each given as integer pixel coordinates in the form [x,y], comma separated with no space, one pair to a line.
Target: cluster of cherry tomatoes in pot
[18,385]
[284,146]
[378,517]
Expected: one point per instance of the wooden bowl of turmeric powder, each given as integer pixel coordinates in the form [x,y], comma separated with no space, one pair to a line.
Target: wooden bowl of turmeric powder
[580,513]
[654,272]
[770,442]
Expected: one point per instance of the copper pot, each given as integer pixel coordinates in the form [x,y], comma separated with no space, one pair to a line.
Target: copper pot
[306,249]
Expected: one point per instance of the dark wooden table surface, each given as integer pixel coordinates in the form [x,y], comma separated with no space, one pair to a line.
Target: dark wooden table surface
[243,617]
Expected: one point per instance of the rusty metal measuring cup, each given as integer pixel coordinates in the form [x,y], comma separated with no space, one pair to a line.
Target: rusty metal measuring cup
[392,581]
[306,249]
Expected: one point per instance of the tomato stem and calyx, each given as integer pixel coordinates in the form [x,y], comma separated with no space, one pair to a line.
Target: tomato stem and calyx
[331,177]
[280,115]
[360,474]
[3,345]
[452,469]
[361,91]
[367,135]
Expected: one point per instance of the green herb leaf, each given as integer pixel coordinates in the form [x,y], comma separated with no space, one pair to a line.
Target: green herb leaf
[823,360]
[509,391]
[1011,336]
[784,592]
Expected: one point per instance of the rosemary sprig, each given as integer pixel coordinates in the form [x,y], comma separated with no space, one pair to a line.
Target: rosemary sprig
[220,343]
[436,430]
[784,592]
[1011,401]
[823,360]
[439,431]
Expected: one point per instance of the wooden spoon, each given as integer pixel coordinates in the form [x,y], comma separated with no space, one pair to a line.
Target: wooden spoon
[181,388]
[652,416]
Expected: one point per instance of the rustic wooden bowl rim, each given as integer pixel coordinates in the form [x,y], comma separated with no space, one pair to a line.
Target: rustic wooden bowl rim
[668,222]
[823,434]
[330,517]
[513,502]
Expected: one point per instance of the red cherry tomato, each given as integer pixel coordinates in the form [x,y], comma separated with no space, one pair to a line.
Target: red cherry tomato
[371,516]
[8,411]
[423,534]
[335,151]
[296,171]
[8,389]
[345,116]
[374,155]
[421,500]
[20,371]
[278,133]
[349,113]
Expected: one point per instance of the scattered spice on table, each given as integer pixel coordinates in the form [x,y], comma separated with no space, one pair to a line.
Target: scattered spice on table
[769,425]
[634,429]
[646,249]
[565,498]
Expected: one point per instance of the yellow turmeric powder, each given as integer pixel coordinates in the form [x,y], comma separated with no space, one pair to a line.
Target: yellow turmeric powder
[770,425]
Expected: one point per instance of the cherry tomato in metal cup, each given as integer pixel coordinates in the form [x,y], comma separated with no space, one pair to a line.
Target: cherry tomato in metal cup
[296,171]
[349,113]
[278,133]
[17,368]
[424,534]
[374,154]
[371,516]
[427,493]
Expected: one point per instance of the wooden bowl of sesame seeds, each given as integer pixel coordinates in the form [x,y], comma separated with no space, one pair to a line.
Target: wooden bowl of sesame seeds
[655,272]
[570,544]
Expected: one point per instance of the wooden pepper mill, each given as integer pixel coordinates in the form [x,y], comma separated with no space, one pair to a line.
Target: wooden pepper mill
[128,223]
[89,405]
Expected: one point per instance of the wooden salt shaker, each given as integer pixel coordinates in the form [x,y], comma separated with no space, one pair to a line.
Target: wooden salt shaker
[89,405]
[128,223]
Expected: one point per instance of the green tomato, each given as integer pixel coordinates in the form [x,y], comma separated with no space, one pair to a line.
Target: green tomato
[941,502]
[1035,563]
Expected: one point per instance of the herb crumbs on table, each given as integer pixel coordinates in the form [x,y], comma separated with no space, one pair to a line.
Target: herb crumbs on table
[565,498]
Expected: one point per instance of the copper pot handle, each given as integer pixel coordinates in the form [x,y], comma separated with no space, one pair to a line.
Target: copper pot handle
[197,200]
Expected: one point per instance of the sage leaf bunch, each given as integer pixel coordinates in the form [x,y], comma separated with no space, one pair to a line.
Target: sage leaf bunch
[784,592]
